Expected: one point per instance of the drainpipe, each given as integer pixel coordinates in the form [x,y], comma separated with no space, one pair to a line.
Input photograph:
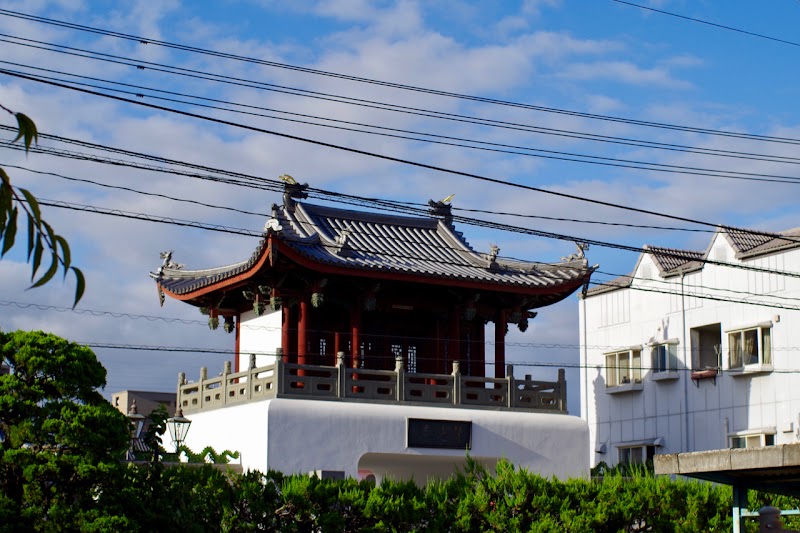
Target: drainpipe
[687,368]
[585,365]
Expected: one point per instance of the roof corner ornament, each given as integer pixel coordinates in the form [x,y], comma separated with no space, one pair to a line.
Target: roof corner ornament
[442,209]
[342,242]
[491,257]
[580,254]
[292,190]
[158,275]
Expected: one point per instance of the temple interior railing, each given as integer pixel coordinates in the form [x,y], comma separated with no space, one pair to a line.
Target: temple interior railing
[290,380]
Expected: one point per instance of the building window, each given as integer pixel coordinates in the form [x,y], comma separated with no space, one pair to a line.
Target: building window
[636,455]
[664,357]
[706,346]
[623,367]
[751,346]
[755,440]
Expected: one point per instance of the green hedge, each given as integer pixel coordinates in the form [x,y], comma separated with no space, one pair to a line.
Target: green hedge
[203,498]
[152,497]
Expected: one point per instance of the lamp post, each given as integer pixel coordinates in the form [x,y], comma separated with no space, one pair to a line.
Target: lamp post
[137,422]
[178,427]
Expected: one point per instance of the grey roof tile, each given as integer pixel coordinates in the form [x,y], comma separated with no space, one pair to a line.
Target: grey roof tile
[383,242]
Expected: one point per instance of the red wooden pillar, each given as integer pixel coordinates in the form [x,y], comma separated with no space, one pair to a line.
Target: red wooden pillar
[337,344]
[302,331]
[286,332]
[454,332]
[500,344]
[355,335]
[479,349]
[237,332]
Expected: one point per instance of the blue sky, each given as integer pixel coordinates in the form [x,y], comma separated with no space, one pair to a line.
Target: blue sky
[599,57]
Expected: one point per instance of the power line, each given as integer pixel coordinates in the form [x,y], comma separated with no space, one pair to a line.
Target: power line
[373,104]
[377,357]
[447,140]
[253,233]
[373,154]
[216,206]
[306,70]
[707,23]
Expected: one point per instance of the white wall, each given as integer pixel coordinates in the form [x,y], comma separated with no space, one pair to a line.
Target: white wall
[308,435]
[688,415]
[260,335]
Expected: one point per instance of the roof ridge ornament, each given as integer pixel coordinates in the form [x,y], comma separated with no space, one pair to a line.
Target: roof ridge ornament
[491,257]
[580,254]
[292,190]
[342,242]
[442,209]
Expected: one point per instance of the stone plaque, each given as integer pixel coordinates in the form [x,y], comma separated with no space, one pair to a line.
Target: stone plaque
[426,433]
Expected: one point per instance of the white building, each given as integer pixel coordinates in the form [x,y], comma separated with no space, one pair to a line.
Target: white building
[360,350]
[686,354]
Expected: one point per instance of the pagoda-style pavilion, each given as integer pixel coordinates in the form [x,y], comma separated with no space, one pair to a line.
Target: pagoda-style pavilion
[376,308]
[376,286]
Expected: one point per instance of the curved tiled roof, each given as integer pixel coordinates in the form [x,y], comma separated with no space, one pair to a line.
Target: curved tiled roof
[369,241]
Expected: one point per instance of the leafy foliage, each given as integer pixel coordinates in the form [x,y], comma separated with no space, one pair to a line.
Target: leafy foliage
[41,237]
[61,441]
[61,447]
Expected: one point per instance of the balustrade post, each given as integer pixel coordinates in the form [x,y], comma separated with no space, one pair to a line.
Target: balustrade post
[456,383]
[512,388]
[562,388]
[202,388]
[226,371]
[401,378]
[251,364]
[279,370]
[179,396]
[341,375]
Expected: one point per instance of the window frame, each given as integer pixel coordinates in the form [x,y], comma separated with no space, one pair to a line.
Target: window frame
[763,343]
[670,370]
[765,438]
[646,452]
[633,379]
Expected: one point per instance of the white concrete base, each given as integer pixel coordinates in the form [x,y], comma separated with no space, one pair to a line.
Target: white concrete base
[362,439]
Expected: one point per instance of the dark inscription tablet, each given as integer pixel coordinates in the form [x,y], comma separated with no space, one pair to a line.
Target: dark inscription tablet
[424,433]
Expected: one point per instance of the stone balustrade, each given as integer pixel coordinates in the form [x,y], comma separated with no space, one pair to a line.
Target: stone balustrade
[290,380]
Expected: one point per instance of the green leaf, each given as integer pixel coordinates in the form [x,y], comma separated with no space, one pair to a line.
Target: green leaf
[37,255]
[34,205]
[31,235]
[50,237]
[80,283]
[11,232]
[47,275]
[26,130]
[65,253]
[5,178]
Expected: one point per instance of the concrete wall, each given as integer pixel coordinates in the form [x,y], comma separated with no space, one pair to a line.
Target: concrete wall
[687,415]
[299,436]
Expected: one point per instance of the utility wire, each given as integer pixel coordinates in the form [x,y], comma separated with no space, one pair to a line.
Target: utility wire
[371,104]
[458,142]
[371,154]
[217,206]
[296,68]
[707,23]
[377,357]
[253,233]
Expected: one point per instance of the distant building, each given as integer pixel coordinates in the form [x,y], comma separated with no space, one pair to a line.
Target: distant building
[685,354]
[360,349]
[146,401]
